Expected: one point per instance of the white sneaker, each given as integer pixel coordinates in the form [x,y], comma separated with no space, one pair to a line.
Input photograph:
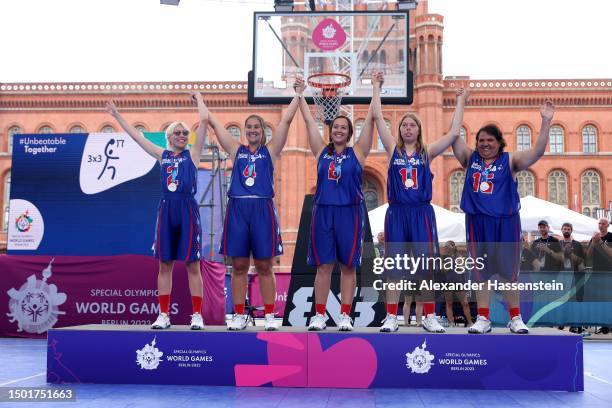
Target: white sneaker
[317,322]
[389,324]
[516,325]
[345,323]
[197,323]
[431,324]
[238,322]
[162,322]
[270,322]
[482,325]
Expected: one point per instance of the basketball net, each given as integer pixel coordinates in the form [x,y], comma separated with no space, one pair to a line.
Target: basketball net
[328,91]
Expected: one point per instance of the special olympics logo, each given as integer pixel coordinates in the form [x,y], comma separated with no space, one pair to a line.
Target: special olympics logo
[420,360]
[329,32]
[35,305]
[149,357]
[23,222]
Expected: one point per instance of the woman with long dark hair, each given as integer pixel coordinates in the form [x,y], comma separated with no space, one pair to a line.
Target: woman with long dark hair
[337,226]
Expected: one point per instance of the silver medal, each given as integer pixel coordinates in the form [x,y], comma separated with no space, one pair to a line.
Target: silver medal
[172,187]
[409,183]
[250,181]
[484,186]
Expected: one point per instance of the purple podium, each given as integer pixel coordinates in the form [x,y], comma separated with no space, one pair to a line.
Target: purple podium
[546,359]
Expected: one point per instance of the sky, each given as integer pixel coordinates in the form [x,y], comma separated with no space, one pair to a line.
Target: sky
[211,40]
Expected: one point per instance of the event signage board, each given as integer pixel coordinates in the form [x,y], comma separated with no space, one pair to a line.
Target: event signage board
[543,360]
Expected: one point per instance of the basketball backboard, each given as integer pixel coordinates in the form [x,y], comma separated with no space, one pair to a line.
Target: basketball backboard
[354,43]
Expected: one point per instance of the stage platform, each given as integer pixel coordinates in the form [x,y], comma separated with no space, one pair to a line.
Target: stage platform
[545,359]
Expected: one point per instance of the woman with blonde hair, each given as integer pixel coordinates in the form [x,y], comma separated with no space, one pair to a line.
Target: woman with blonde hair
[178,232]
[410,222]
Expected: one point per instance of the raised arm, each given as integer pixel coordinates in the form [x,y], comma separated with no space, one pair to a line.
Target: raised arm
[385,135]
[227,142]
[523,159]
[363,145]
[201,131]
[315,139]
[134,133]
[275,146]
[462,151]
[440,145]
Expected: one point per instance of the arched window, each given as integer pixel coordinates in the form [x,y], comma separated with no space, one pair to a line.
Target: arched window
[370,193]
[457,178]
[45,130]
[590,183]
[400,57]
[5,201]
[358,126]
[557,187]
[140,128]
[463,134]
[365,57]
[77,129]
[523,138]
[526,183]
[556,139]
[379,144]
[268,132]
[589,139]
[383,60]
[107,129]
[234,131]
[13,130]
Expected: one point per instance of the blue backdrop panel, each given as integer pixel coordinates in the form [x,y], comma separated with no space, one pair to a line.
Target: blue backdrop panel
[96,195]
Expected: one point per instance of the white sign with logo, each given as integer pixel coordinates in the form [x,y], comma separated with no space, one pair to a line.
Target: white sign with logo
[110,159]
[26,226]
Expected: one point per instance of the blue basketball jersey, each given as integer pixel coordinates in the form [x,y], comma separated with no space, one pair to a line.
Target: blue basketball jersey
[338,178]
[409,179]
[253,174]
[178,175]
[490,189]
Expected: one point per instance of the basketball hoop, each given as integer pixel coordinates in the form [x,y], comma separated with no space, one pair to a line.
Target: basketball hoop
[329,88]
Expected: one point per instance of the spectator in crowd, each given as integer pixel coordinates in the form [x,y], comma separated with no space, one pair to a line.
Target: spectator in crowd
[600,247]
[379,248]
[544,247]
[572,259]
[600,252]
[418,307]
[529,262]
[451,276]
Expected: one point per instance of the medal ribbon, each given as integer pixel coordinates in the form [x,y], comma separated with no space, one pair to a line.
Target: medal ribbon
[484,170]
[250,168]
[338,165]
[408,164]
[174,173]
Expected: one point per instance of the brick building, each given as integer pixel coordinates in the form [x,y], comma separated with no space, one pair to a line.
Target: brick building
[572,173]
